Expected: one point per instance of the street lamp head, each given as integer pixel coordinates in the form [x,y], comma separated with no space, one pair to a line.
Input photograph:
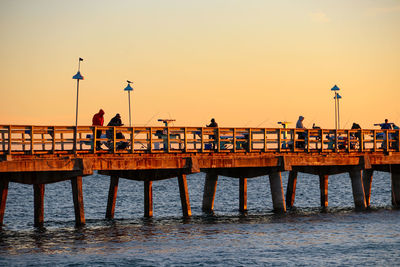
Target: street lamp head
[335,88]
[78,76]
[128,87]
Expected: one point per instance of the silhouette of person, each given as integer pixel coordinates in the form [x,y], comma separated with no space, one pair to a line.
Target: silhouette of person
[98,120]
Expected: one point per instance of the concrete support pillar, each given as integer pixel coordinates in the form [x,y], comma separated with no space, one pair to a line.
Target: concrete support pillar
[112,197]
[367,181]
[396,189]
[77,196]
[210,187]
[358,189]
[242,194]
[3,198]
[291,189]
[184,193]
[148,198]
[278,198]
[38,201]
[323,185]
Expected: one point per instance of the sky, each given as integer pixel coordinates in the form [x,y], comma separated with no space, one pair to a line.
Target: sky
[245,63]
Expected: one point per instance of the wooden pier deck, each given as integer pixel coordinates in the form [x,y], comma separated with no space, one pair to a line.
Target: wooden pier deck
[39,155]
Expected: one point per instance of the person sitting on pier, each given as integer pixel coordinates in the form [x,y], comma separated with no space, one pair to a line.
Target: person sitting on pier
[356,135]
[98,120]
[301,135]
[213,123]
[116,121]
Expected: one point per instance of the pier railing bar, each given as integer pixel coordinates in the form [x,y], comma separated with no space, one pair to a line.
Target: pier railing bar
[70,139]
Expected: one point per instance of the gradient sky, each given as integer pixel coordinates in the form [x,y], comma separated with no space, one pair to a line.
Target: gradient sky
[246,63]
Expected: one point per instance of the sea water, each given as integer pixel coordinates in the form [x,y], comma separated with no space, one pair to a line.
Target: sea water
[304,236]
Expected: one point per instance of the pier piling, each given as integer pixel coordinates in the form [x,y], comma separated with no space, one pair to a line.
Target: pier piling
[148,198]
[358,189]
[291,189]
[323,185]
[184,194]
[38,200]
[242,194]
[210,187]
[3,198]
[367,181]
[396,190]
[77,196]
[278,198]
[112,196]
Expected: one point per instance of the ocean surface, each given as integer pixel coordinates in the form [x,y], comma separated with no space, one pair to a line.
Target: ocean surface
[304,236]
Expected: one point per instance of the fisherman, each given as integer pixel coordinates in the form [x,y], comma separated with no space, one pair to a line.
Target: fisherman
[213,124]
[116,121]
[98,120]
[386,125]
[301,135]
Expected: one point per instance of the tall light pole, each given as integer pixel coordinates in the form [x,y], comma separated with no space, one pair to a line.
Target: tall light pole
[77,77]
[129,89]
[338,109]
[336,89]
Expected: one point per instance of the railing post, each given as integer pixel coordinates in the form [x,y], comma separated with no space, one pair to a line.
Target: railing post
[94,139]
[23,140]
[202,139]
[168,140]
[218,140]
[9,140]
[336,141]
[32,142]
[185,139]
[387,140]
[322,140]
[234,139]
[53,141]
[250,141]
[374,140]
[294,140]
[265,140]
[114,140]
[75,136]
[279,140]
[3,138]
[308,140]
[361,140]
[348,141]
[150,139]
[132,139]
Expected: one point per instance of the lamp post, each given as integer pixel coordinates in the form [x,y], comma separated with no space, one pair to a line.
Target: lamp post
[77,77]
[338,109]
[129,89]
[336,89]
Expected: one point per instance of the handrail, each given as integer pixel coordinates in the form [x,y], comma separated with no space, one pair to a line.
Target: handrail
[29,139]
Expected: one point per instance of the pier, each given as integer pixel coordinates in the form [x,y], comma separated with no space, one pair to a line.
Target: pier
[39,155]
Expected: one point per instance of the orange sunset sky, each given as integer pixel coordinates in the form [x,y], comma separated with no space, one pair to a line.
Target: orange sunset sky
[246,63]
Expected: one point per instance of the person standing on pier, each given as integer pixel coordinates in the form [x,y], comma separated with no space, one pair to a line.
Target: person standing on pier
[301,135]
[386,125]
[98,120]
[214,124]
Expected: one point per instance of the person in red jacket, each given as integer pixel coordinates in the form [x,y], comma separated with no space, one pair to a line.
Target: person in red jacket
[98,120]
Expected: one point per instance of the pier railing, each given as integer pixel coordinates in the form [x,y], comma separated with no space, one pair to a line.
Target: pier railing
[20,139]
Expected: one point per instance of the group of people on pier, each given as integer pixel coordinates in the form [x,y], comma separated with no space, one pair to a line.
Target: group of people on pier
[98,120]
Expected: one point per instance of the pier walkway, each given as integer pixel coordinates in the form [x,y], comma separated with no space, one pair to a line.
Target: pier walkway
[39,155]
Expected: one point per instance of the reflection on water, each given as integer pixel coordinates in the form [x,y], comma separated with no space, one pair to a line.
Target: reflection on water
[306,235]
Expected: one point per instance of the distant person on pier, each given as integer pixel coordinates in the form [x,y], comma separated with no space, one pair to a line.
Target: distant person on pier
[115,121]
[213,123]
[301,135]
[356,135]
[98,120]
[386,126]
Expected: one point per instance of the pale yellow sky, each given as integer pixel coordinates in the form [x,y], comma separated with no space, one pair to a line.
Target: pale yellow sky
[245,63]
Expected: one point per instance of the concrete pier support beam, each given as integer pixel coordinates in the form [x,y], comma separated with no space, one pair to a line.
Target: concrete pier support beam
[210,187]
[184,193]
[358,189]
[323,185]
[278,198]
[396,190]
[38,201]
[148,198]
[3,199]
[112,197]
[367,181]
[291,189]
[77,196]
[242,194]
